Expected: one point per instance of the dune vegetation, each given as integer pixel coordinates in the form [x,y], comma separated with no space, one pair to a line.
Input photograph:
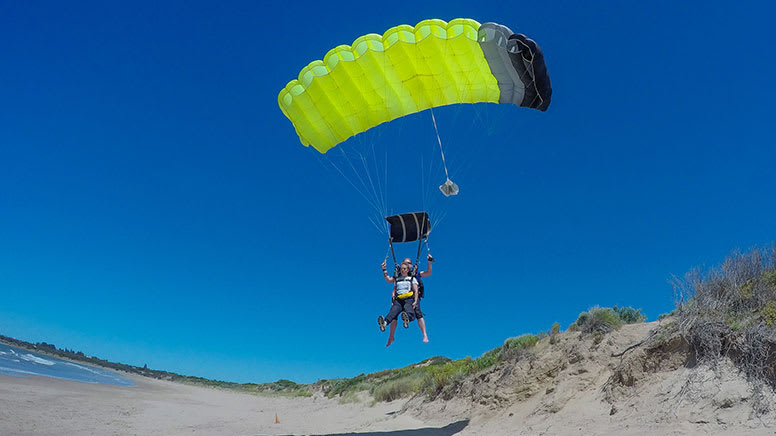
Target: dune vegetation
[434,376]
[728,313]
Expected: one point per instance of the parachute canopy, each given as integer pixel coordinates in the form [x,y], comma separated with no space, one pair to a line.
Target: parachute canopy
[409,69]
[409,227]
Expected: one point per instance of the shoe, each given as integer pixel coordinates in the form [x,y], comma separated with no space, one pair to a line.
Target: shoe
[405,319]
[381,323]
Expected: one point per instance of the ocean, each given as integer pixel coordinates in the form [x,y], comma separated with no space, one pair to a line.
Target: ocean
[20,363]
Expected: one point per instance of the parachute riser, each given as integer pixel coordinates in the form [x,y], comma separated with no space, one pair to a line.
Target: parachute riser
[395,265]
[420,247]
[414,271]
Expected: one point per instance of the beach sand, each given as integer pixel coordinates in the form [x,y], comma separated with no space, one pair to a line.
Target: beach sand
[46,406]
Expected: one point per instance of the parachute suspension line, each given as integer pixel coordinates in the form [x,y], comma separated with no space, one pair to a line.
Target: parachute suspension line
[386,181]
[533,76]
[378,198]
[355,188]
[425,177]
[381,189]
[378,191]
[426,193]
[438,220]
[344,176]
[465,154]
[429,205]
[420,245]
[382,185]
[374,223]
[373,200]
[384,193]
[433,119]
[428,173]
[437,210]
[369,200]
[449,187]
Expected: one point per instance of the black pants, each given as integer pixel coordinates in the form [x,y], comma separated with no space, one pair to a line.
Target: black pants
[405,305]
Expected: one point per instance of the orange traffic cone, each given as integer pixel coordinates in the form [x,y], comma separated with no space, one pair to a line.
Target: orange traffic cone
[277,421]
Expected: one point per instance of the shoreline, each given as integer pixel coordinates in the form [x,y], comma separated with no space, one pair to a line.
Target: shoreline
[152,374]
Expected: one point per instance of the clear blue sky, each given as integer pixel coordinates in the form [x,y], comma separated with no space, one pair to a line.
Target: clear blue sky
[157,208]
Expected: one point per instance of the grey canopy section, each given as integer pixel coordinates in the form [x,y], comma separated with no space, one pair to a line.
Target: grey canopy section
[409,227]
[518,65]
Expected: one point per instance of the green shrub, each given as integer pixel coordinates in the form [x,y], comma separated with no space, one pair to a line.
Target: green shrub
[769,278]
[747,288]
[485,361]
[437,377]
[399,388]
[598,319]
[768,313]
[349,398]
[606,317]
[630,315]
[342,386]
[734,323]
[281,387]
[515,348]
[521,342]
[582,320]
[554,334]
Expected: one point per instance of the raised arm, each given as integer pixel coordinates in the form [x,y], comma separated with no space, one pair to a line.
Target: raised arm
[388,279]
[428,271]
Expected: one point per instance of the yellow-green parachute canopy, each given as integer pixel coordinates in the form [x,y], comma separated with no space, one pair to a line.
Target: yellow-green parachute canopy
[409,69]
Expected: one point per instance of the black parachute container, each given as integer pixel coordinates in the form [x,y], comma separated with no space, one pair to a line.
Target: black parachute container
[408,227]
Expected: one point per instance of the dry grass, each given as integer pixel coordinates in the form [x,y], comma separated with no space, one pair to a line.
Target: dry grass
[729,312]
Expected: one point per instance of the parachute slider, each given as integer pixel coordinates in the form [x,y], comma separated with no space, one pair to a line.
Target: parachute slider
[449,188]
[409,227]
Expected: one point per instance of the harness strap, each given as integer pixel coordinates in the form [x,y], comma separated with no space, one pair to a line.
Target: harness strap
[395,283]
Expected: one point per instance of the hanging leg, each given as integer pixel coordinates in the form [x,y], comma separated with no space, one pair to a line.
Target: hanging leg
[391,332]
[422,326]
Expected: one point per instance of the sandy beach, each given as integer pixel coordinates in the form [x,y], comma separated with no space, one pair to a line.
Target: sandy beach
[47,406]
